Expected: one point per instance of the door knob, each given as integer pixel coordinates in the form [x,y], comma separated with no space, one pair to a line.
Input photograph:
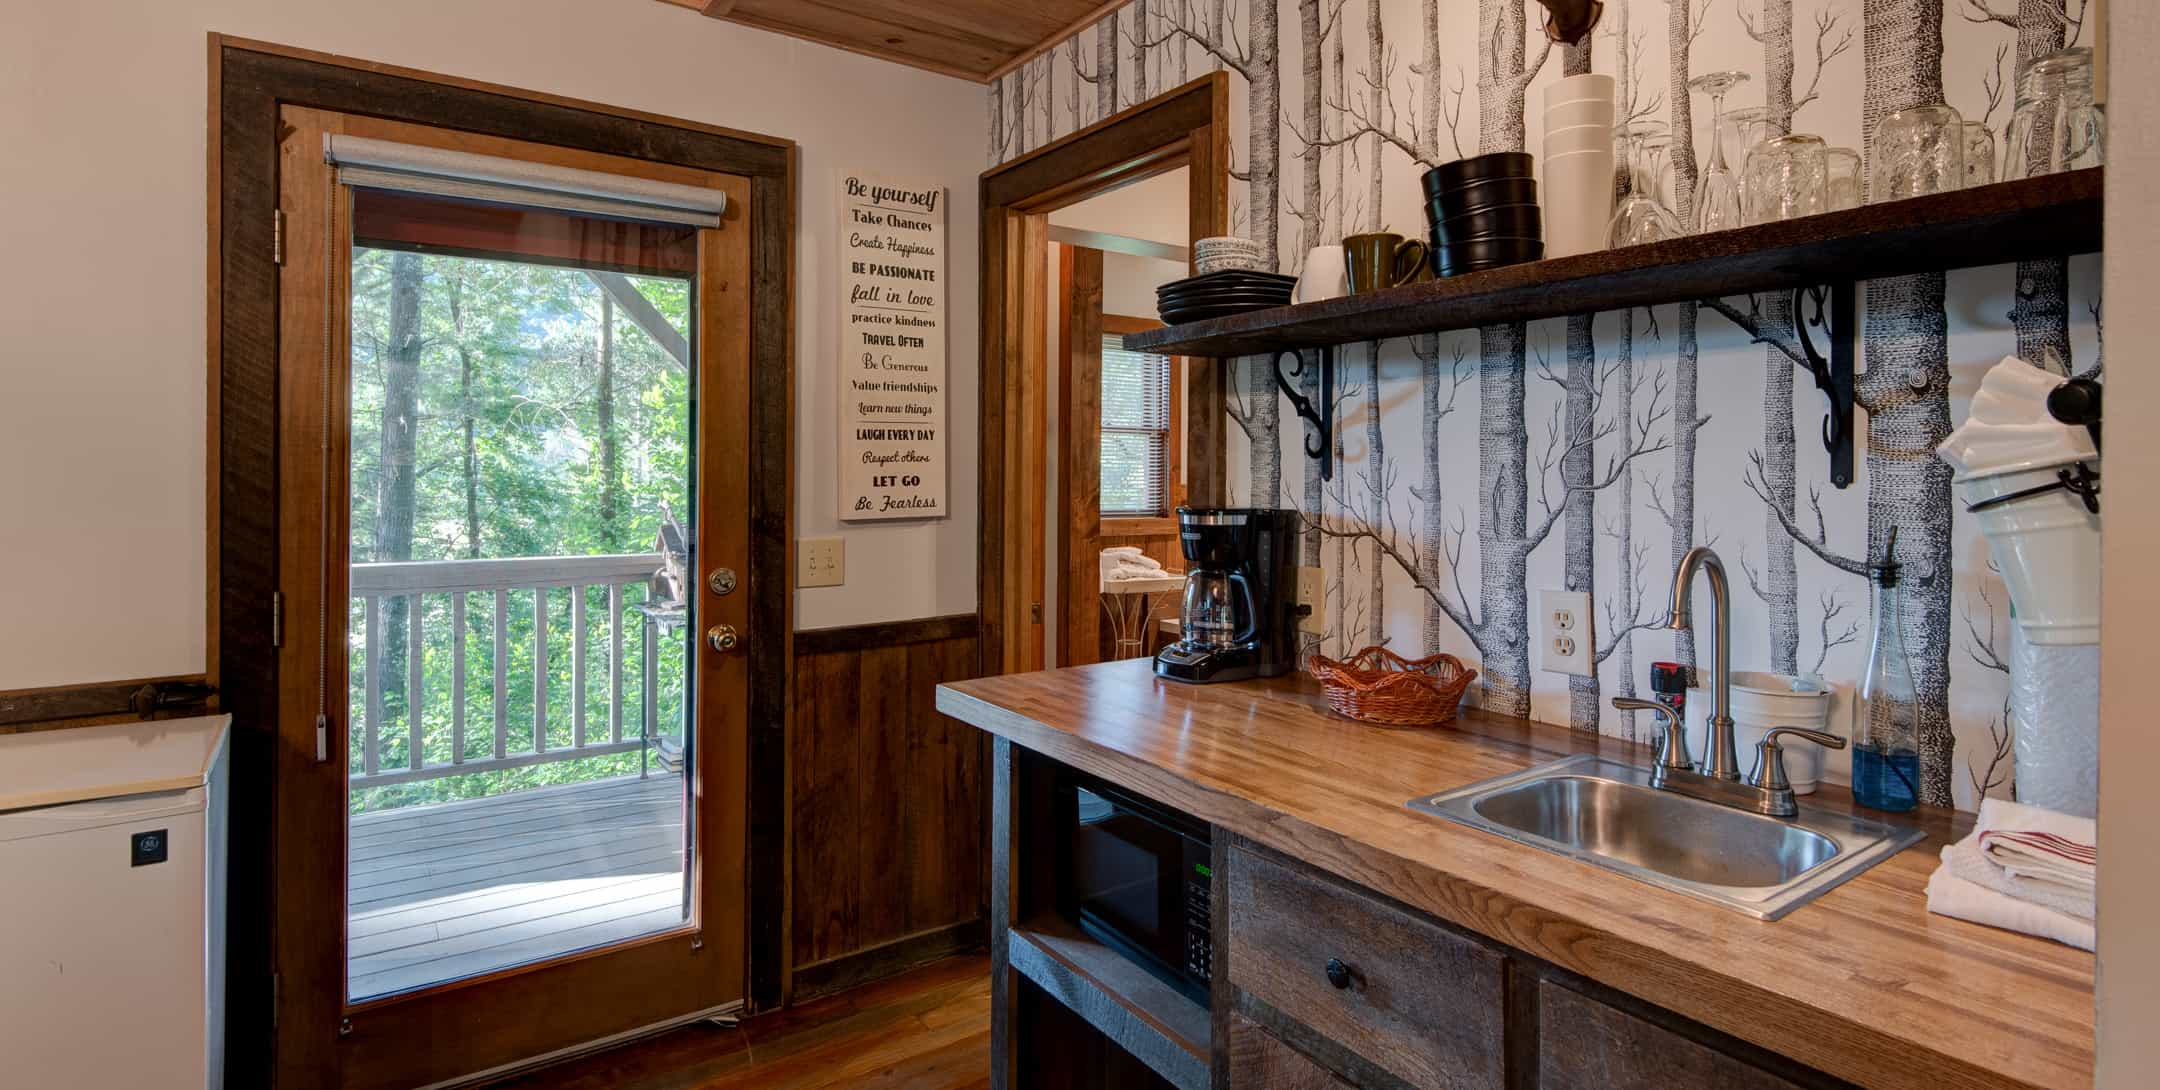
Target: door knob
[723,638]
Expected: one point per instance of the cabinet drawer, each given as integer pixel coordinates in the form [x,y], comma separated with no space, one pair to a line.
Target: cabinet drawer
[1584,1044]
[1412,997]
[1260,1062]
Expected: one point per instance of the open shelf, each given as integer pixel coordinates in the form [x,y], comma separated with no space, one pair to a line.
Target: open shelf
[2050,216]
[1158,1024]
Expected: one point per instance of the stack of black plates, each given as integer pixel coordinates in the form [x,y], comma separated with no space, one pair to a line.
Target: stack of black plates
[1484,213]
[1221,294]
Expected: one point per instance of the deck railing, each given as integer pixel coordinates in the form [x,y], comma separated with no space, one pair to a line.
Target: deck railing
[375,585]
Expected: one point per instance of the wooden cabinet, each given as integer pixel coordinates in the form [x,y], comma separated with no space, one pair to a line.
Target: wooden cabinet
[1584,1044]
[1261,1061]
[1419,1000]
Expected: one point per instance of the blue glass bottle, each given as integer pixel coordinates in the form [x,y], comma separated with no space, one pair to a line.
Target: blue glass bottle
[1886,736]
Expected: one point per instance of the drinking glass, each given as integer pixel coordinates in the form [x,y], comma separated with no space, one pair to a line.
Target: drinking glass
[2056,126]
[1787,177]
[1717,198]
[1979,154]
[1917,151]
[1841,182]
[1746,126]
[1641,217]
[1658,167]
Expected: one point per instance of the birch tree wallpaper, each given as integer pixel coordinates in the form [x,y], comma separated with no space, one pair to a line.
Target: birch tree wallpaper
[1589,453]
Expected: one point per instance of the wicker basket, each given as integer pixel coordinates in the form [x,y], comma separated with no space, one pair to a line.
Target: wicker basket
[1379,686]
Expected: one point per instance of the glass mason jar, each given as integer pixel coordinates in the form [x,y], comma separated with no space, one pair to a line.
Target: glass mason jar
[2056,126]
[1917,151]
[1979,154]
[1843,180]
[1787,177]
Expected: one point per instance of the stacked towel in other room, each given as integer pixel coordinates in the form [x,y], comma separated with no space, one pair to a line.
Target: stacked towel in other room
[2024,869]
[1128,562]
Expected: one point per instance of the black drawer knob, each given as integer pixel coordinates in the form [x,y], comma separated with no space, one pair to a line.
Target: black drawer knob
[1338,974]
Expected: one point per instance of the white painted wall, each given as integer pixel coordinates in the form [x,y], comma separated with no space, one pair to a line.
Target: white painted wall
[2129,967]
[102,377]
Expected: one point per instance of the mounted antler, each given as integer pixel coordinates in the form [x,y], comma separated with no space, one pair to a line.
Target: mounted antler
[1570,21]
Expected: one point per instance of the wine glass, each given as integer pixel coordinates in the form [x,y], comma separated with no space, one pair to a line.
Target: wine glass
[1640,218]
[1717,199]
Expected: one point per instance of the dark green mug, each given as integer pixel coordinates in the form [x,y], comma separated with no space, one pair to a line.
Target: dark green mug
[1382,259]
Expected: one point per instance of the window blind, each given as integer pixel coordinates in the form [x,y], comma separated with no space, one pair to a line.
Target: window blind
[411,168]
[1135,431]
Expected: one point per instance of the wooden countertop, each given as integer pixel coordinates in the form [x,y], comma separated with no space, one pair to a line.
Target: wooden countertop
[1862,983]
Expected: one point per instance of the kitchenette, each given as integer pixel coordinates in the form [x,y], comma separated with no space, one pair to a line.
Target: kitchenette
[1359,941]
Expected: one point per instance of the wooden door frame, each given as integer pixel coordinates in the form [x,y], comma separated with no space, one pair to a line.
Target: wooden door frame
[250,83]
[1188,127]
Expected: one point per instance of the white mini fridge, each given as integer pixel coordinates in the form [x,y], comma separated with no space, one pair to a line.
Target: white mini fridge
[112,906]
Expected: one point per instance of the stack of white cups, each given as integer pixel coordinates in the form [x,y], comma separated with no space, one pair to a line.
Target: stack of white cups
[1578,164]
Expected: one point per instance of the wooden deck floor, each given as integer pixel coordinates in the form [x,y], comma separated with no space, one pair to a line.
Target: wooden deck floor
[448,891]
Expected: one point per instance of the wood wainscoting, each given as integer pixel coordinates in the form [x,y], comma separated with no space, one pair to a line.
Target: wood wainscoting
[887,806]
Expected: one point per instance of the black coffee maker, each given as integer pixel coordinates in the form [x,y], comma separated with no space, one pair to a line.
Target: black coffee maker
[1241,612]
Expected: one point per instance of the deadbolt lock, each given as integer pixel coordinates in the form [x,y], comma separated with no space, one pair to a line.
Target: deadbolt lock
[723,638]
[722,580]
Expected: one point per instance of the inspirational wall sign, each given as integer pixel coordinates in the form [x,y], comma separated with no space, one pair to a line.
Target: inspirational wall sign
[892,349]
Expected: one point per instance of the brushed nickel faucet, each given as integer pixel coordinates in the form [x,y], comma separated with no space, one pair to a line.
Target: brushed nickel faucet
[1766,790]
[1721,761]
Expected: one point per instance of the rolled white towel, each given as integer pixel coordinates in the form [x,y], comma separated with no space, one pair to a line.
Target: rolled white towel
[1118,572]
[1950,895]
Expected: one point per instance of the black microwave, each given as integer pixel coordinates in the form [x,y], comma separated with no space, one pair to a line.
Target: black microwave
[1137,877]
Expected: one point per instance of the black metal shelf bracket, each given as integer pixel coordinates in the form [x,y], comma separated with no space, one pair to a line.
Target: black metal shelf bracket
[1833,376]
[1320,438]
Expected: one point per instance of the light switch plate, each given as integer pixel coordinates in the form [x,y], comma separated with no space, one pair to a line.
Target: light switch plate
[1312,591]
[821,562]
[1564,636]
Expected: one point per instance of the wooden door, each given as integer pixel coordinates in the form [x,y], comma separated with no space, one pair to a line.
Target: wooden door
[498,983]
[1087,629]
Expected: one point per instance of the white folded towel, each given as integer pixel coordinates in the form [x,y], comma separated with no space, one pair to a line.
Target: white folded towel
[2050,854]
[1128,562]
[1950,895]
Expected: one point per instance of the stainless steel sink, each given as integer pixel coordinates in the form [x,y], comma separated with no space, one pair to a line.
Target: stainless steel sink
[1607,814]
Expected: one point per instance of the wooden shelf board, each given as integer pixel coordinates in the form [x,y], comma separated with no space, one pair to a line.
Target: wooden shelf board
[1158,1024]
[2050,216]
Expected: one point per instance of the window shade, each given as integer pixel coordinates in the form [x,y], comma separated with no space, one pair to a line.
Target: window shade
[411,168]
[1135,431]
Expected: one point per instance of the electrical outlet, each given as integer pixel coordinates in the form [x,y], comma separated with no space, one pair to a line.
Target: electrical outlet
[1564,633]
[1312,593]
[821,562]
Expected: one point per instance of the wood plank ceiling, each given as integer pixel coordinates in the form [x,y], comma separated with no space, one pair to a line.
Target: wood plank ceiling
[972,39]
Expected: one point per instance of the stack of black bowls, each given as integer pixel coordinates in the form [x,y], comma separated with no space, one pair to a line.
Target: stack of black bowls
[1484,213]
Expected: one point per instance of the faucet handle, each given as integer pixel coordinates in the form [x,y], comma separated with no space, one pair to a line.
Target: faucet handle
[1672,745]
[1769,771]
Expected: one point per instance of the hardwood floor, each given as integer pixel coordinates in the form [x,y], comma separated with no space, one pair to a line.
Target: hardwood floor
[926,1029]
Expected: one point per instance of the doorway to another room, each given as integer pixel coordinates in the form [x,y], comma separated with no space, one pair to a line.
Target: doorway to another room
[1087,446]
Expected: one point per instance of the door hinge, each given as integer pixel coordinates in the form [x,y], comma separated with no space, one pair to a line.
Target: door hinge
[277,618]
[277,235]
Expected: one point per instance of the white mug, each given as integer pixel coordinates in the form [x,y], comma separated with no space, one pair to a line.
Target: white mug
[1326,275]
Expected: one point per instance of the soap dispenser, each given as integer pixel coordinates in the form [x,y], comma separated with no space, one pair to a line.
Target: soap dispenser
[1886,729]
